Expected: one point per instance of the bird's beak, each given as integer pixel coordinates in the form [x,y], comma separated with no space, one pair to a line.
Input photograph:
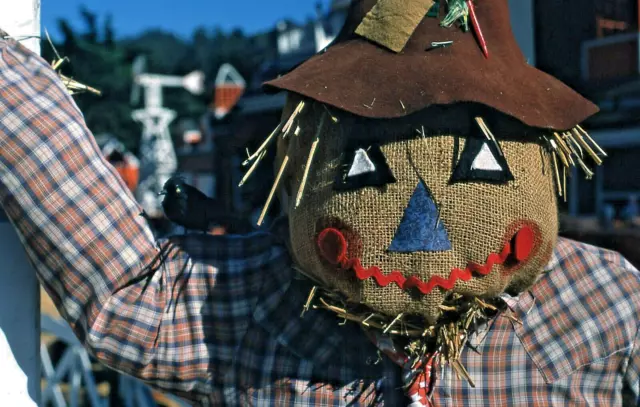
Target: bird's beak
[163,192]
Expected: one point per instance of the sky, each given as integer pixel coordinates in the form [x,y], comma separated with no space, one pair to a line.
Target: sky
[131,17]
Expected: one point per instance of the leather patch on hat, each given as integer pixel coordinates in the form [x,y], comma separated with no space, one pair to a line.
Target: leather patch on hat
[391,23]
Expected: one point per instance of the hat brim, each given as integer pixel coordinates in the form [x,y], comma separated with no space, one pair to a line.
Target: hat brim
[362,78]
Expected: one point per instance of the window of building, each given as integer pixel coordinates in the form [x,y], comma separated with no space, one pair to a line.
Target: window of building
[616,16]
[289,41]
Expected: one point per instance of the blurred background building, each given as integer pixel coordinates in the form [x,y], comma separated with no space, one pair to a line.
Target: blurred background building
[591,45]
[214,162]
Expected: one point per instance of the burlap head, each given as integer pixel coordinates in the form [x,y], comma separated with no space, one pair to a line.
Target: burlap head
[479,217]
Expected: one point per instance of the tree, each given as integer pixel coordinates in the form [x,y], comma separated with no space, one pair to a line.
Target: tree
[97,60]
[100,60]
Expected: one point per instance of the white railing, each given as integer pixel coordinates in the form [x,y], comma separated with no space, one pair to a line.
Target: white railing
[74,370]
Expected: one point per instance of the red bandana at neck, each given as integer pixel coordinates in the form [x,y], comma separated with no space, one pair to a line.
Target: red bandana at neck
[419,377]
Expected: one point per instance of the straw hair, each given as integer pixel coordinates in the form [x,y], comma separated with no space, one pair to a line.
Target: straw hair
[601,151]
[263,146]
[73,87]
[568,151]
[255,158]
[252,168]
[314,146]
[587,147]
[487,132]
[274,188]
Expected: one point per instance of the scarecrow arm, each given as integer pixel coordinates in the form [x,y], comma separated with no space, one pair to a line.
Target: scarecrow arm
[631,386]
[154,311]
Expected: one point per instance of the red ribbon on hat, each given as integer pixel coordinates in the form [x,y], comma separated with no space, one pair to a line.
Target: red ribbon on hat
[476,28]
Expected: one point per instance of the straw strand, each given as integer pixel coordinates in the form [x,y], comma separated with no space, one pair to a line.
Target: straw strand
[312,153]
[273,190]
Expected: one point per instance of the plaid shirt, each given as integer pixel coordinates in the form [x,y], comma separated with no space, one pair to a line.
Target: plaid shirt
[216,319]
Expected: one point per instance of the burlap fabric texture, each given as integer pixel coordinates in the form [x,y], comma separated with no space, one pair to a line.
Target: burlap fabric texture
[479,217]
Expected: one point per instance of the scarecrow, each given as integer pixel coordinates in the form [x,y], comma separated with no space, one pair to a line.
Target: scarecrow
[423,158]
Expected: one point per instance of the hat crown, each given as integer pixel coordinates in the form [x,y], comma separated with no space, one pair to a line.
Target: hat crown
[406,74]
[493,16]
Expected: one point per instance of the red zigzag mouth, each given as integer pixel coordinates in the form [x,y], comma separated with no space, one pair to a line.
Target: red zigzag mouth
[333,247]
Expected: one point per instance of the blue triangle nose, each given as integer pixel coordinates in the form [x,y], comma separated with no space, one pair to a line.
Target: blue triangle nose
[420,230]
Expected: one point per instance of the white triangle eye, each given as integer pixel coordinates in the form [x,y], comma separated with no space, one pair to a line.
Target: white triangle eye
[485,160]
[362,164]
[482,161]
[363,167]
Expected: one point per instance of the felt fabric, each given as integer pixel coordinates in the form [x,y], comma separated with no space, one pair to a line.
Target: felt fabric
[334,248]
[421,228]
[362,164]
[391,23]
[363,167]
[524,242]
[481,160]
[332,245]
[486,160]
[353,71]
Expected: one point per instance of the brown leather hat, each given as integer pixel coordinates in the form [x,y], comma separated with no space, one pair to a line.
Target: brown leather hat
[361,76]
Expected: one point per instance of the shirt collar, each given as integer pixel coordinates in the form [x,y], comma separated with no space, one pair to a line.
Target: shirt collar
[581,309]
[315,336]
[520,304]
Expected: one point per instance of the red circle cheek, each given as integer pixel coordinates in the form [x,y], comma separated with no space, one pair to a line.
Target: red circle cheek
[332,245]
[523,243]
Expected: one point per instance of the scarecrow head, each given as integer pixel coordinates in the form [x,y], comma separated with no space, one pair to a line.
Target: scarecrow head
[423,161]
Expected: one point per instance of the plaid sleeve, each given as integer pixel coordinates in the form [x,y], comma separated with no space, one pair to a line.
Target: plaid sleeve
[631,385]
[170,313]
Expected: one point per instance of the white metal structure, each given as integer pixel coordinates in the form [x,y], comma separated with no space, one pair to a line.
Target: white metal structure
[157,154]
[19,293]
[74,367]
